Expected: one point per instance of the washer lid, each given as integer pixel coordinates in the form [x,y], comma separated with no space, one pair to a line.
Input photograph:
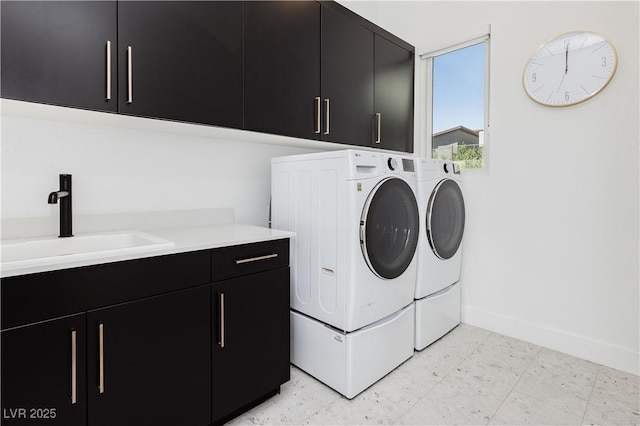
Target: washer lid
[445,219]
[389,228]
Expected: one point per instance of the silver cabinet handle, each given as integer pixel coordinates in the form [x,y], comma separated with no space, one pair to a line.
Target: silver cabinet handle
[129,74]
[378,126]
[101,357]
[221,341]
[255,259]
[74,368]
[108,70]
[318,107]
[326,111]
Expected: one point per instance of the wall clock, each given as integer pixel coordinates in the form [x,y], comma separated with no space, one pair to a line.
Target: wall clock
[570,69]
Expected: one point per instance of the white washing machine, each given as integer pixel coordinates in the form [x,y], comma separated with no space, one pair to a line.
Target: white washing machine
[442,215]
[353,266]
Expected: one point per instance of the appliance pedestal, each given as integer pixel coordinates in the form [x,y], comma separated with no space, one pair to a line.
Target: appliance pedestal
[351,362]
[436,315]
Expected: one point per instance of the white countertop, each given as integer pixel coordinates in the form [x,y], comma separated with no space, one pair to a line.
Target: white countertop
[184,240]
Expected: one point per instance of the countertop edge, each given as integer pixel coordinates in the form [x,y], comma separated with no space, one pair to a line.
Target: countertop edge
[185,240]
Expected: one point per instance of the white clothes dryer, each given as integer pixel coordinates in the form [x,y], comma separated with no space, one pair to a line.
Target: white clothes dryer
[353,266]
[442,213]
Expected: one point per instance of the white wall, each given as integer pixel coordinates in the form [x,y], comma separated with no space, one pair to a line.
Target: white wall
[366,8]
[124,164]
[551,245]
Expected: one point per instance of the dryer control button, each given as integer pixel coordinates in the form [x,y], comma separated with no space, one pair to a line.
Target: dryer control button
[393,164]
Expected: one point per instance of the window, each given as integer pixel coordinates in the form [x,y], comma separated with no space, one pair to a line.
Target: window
[456,103]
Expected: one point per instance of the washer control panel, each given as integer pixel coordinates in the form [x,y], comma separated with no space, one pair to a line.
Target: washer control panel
[407,164]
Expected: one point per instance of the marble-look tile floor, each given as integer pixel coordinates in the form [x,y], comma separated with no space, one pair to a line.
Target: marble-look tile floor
[470,376]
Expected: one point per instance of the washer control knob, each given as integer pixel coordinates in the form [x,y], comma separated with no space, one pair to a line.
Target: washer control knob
[393,164]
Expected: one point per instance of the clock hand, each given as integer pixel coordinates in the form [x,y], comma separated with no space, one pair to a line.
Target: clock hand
[566,58]
[561,80]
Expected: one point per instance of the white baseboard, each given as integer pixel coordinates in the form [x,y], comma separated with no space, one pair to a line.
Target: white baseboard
[584,347]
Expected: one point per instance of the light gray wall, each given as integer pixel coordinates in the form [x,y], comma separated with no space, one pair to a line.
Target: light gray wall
[551,245]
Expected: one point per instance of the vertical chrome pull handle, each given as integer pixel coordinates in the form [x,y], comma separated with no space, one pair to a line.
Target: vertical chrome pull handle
[326,112]
[74,368]
[378,126]
[129,74]
[221,301]
[101,358]
[108,70]
[318,107]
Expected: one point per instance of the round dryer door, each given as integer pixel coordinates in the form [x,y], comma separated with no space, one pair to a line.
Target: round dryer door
[389,228]
[445,219]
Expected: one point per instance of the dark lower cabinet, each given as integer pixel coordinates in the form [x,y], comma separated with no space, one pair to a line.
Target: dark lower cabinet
[44,373]
[181,60]
[152,335]
[393,96]
[146,362]
[150,361]
[251,339]
[56,52]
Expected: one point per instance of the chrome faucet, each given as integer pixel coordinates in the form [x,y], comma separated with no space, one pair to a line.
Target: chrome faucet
[64,195]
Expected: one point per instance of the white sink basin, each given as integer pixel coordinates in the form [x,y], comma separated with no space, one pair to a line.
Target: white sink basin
[32,252]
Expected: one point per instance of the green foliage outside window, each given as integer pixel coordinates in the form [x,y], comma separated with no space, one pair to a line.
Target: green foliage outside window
[467,157]
[470,157]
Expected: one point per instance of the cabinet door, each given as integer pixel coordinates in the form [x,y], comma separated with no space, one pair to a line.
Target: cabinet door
[181,60]
[44,373]
[55,52]
[150,361]
[393,96]
[282,67]
[251,352]
[347,80]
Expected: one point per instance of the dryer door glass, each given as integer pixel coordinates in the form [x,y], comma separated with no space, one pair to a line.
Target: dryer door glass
[389,228]
[445,219]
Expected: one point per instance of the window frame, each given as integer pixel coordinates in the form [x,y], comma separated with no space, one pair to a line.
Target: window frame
[425,89]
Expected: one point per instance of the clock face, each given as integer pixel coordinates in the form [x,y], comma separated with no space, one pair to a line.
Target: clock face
[569,69]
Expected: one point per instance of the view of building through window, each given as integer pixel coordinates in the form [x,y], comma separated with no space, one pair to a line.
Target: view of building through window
[459,105]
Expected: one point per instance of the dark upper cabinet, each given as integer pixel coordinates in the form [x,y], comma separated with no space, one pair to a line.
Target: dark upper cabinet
[393,96]
[308,72]
[250,320]
[306,69]
[44,373]
[181,60]
[347,80]
[156,361]
[56,52]
[282,67]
